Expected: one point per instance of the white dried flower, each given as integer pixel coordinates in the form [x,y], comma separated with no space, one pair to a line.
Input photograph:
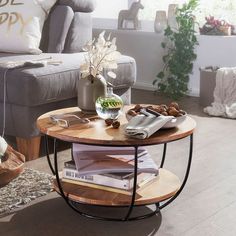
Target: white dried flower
[101,54]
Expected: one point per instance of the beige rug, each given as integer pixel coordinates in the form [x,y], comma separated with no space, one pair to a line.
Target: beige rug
[30,185]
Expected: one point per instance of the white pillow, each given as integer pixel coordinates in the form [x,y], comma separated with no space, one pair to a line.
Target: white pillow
[21,23]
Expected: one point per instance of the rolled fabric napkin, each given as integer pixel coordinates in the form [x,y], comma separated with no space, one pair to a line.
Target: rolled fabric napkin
[142,126]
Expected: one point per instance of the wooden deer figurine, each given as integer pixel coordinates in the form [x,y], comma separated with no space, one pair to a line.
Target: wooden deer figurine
[130,15]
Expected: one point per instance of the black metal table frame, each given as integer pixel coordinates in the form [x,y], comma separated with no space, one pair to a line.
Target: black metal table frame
[158,205]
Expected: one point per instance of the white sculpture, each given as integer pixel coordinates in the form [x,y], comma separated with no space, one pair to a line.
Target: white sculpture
[130,15]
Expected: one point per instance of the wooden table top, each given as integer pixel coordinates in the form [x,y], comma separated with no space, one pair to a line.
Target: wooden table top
[96,132]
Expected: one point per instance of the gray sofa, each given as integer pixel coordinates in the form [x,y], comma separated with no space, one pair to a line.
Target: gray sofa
[34,91]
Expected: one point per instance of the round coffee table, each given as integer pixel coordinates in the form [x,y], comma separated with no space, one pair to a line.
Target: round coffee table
[161,192]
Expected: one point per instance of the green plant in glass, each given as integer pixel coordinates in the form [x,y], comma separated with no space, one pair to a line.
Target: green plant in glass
[109,106]
[178,62]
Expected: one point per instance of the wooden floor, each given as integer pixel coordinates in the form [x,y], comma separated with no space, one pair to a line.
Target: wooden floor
[206,207]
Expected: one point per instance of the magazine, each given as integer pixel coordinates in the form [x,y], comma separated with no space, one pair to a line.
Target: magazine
[123,183]
[100,160]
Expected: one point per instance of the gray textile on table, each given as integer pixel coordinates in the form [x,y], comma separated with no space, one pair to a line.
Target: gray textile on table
[60,21]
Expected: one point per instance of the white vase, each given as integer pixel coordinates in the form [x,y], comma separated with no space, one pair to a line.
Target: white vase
[172,16]
[160,21]
[89,89]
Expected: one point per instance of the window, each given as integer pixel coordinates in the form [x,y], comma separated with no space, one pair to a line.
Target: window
[220,9]
[109,9]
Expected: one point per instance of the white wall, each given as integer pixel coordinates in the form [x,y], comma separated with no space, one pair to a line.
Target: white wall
[109,8]
[145,47]
[213,51]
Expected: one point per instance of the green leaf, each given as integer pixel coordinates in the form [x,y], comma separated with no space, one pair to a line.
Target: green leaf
[163,45]
[161,75]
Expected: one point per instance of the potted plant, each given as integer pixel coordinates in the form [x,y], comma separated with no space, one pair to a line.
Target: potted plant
[100,54]
[178,62]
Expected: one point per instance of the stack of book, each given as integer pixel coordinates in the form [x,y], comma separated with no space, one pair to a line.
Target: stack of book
[109,168]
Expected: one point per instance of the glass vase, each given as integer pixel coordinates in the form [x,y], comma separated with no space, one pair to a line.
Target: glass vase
[109,106]
[160,22]
[172,8]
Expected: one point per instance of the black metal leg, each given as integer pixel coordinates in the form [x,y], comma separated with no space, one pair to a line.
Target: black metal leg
[185,177]
[135,183]
[47,154]
[61,192]
[163,155]
[71,151]
[57,173]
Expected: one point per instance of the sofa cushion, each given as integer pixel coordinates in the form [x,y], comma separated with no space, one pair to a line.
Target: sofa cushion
[79,33]
[37,86]
[21,25]
[79,5]
[59,24]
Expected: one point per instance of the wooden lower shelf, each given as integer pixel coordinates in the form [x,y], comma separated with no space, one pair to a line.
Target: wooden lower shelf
[162,188]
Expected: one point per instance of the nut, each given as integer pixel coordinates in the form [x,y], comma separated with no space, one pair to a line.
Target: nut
[132,112]
[175,105]
[173,112]
[158,109]
[164,107]
[108,122]
[164,113]
[182,112]
[116,124]
[137,108]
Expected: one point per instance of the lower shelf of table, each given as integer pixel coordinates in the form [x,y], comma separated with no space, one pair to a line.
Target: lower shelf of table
[160,189]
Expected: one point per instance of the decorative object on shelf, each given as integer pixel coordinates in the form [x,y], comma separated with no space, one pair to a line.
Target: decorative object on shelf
[109,106]
[233,29]
[160,22]
[216,27]
[130,15]
[180,55]
[172,8]
[101,54]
